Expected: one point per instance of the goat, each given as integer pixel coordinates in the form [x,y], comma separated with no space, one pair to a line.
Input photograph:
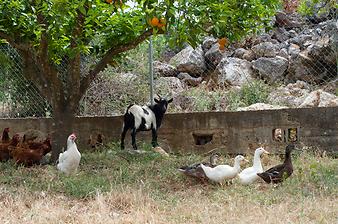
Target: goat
[144,118]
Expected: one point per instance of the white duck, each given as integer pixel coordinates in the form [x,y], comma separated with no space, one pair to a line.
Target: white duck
[70,159]
[249,175]
[222,172]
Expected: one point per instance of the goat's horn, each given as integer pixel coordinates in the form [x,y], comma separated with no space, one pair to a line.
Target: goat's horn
[159,96]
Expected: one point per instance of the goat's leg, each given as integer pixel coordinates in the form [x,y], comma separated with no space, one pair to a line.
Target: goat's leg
[133,138]
[154,137]
[123,136]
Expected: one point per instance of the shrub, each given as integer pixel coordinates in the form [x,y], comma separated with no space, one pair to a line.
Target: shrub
[319,7]
[250,93]
[205,100]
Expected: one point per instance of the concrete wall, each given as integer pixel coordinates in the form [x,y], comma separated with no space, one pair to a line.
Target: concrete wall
[232,132]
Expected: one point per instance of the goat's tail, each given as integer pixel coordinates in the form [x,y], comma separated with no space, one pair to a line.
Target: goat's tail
[128,118]
[127,111]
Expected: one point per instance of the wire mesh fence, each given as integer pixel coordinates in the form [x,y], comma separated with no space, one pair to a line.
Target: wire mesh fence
[280,67]
[18,96]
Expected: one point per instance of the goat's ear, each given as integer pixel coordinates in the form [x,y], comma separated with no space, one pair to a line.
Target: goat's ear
[156,100]
[171,100]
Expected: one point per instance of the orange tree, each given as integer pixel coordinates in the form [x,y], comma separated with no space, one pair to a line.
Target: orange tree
[53,37]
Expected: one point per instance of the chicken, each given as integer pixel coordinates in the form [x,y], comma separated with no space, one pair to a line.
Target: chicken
[26,156]
[95,143]
[5,136]
[70,159]
[5,148]
[32,135]
[45,145]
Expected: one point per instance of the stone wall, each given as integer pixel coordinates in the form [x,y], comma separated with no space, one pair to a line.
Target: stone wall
[232,132]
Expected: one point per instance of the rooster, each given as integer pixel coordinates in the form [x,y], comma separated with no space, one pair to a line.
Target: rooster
[5,136]
[70,159]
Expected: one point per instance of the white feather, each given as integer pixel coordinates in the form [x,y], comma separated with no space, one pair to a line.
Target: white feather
[249,175]
[70,159]
[222,172]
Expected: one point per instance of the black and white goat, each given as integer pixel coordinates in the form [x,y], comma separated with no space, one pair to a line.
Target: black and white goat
[144,118]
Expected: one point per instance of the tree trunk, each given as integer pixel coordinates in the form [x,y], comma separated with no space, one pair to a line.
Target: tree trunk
[63,120]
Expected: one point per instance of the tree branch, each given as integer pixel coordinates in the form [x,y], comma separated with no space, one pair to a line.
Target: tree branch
[73,78]
[85,82]
[50,74]
[12,42]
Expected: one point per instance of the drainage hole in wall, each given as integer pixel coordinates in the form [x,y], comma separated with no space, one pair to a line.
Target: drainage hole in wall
[202,139]
[277,135]
[292,135]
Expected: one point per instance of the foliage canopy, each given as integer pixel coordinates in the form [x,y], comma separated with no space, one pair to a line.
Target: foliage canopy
[106,25]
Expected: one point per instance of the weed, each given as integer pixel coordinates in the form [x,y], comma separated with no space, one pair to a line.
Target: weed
[250,93]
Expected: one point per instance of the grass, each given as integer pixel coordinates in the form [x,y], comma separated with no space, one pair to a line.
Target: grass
[113,186]
[250,93]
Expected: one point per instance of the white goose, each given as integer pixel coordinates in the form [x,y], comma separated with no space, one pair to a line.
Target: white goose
[70,159]
[249,175]
[222,172]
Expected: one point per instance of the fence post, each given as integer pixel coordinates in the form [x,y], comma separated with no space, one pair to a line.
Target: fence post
[151,72]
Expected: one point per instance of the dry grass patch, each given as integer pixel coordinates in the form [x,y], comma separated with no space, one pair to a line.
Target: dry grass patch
[116,187]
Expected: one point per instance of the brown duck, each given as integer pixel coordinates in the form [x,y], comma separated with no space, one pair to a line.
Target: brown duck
[196,170]
[280,172]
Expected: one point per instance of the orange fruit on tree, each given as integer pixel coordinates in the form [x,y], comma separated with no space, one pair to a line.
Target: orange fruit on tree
[109,1]
[154,21]
[223,41]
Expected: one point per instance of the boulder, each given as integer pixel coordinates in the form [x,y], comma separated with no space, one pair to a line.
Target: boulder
[171,85]
[283,53]
[263,38]
[242,53]
[315,64]
[189,80]
[190,60]
[300,68]
[266,49]
[287,20]
[183,75]
[281,34]
[261,106]
[293,49]
[162,69]
[291,95]
[214,55]
[233,71]
[239,52]
[331,87]
[329,28]
[300,40]
[193,81]
[320,98]
[208,42]
[323,49]
[249,55]
[293,33]
[272,69]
